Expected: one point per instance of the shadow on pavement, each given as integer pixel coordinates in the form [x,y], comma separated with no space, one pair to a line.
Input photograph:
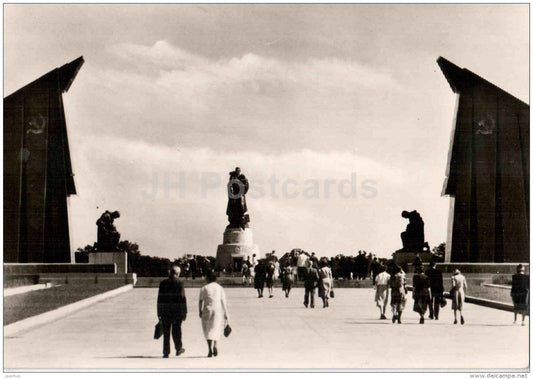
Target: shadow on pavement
[150,357]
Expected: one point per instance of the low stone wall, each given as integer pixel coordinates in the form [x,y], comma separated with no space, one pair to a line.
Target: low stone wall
[24,274]
[86,278]
[481,268]
[40,268]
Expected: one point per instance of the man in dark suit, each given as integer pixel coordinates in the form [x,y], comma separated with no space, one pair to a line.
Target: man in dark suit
[310,283]
[437,290]
[172,310]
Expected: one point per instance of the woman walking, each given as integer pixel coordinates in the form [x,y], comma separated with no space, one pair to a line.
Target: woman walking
[270,277]
[420,292]
[458,294]
[325,282]
[398,293]
[213,312]
[520,293]
[259,278]
[288,278]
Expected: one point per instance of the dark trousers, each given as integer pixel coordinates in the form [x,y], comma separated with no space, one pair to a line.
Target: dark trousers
[434,305]
[301,273]
[309,297]
[175,326]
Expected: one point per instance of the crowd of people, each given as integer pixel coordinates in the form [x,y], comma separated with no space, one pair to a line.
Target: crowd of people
[195,265]
[313,272]
[362,266]
[428,292]
[358,267]
[316,274]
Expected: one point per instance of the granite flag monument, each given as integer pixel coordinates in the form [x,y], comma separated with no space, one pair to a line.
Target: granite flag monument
[487,176]
[38,175]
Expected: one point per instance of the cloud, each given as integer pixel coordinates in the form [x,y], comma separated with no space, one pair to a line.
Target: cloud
[161,55]
[163,92]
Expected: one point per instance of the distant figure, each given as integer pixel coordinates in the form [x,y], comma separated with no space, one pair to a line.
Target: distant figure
[417,262]
[236,210]
[458,294]
[325,282]
[260,277]
[398,293]
[310,283]
[193,267]
[172,310]
[520,293]
[107,237]
[277,270]
[254,263]
[301,263]
[272,256]
[246,274]
[436,286]
[314,259]
[361,265]
[270,274]
[413,237]
[213,311]
[382,291]
[420,292]
[375,269]
[288,278]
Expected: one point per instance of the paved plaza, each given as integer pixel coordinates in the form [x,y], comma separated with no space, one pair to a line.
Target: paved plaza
[273,333]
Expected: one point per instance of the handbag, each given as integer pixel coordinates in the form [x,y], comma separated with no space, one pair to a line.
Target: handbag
[443,302]
[158,332]
[227,330]
[331,294]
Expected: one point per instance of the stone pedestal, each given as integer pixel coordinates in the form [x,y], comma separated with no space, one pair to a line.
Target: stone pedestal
[236,244]
[407,257]
[119,258]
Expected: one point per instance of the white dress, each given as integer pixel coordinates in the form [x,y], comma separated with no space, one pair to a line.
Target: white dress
[212,303]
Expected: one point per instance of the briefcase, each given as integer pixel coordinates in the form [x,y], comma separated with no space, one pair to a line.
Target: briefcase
[158,332]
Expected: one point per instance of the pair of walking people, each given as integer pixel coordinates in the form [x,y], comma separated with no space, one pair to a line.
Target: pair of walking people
[172,311]
[321,278]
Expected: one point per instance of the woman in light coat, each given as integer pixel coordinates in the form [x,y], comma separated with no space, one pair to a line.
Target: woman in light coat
[458,294]
[325,282]
[213,312]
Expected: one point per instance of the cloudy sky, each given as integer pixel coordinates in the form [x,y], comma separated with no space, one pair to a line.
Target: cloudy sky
[338,114]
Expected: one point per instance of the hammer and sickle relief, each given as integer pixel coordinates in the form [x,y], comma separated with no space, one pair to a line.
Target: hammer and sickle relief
[486,126]
[36,125]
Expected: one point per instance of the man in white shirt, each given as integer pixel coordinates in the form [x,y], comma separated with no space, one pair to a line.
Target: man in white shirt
[382,291]
[301,262]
